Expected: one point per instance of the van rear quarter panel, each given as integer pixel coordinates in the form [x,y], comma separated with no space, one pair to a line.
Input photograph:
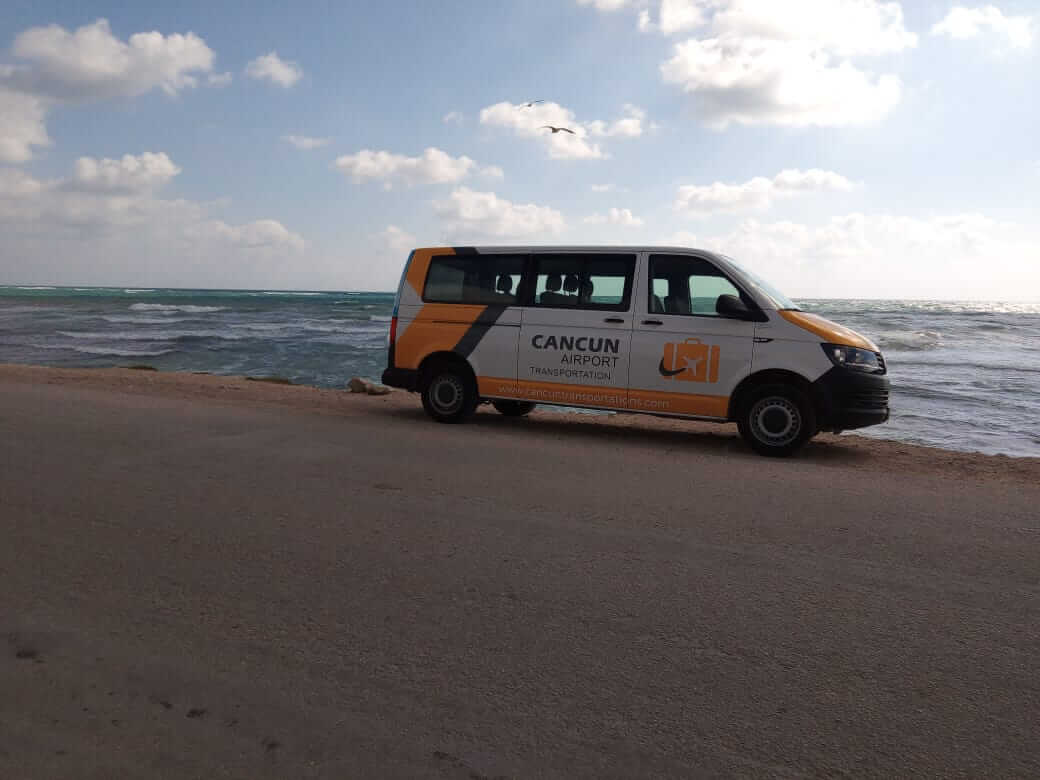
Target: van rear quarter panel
[484,335]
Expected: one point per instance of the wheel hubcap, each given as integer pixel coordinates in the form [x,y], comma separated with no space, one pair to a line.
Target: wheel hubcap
[446,394]
[775,421]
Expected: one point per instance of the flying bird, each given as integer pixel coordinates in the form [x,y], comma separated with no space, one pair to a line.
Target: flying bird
[557,129]
[530,103]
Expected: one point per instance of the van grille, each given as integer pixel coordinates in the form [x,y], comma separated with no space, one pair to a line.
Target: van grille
[881,362]
[867,399]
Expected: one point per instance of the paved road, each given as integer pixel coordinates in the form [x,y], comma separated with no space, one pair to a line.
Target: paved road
[192,589]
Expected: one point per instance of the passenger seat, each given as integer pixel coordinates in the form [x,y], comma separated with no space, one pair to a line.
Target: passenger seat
[553,283]
[587,289]
[570,287]
[505,288]
[677,304]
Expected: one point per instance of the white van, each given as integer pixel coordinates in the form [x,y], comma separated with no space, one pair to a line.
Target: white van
[660,330]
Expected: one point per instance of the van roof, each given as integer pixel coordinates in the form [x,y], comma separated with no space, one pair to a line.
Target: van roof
[770,298]
[574,248]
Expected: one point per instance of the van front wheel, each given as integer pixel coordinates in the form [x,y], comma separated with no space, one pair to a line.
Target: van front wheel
[513,408]
[776,420]
[449,396]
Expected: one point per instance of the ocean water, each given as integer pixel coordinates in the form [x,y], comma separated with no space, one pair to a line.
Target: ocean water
[965,376]
[315,338]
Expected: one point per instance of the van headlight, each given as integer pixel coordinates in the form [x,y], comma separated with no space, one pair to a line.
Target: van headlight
[855,358]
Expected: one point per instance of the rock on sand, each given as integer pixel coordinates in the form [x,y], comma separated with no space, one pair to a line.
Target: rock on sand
[359,385]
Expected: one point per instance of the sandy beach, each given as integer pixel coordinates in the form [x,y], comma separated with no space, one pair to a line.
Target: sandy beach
[205,576]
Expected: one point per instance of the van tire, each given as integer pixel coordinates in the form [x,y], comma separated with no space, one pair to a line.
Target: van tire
[513,408]
[450,394]
[776,420]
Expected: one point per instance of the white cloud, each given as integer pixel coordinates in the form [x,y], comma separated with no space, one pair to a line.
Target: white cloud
[88,64]
[131,173]
[678,15]
[756,193]
[674,16]
[433,166]
[792,180]
[605,188]
[219,79]
[21,125]
[785,63]
[492,172]
[530,122]
[261,234]
[527,123]
[306,142]
[453,117]
[883,255]
[397,239]
[962,23]
[467,215]
[606,5]
[629,126]
[91,63]
[271,67]
[762,81]
[110,208]
[615,216]
[842,27]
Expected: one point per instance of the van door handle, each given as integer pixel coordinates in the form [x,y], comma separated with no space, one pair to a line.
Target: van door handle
[618,320]
[652,322]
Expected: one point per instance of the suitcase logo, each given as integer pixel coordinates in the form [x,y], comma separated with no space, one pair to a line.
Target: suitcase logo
[690,361]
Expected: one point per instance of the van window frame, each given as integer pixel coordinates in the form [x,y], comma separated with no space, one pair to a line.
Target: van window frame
[519,293]
[530,282]
[748,300]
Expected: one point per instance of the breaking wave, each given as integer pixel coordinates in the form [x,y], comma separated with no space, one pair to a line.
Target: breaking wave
[116,352]
[186,308]
[910,341]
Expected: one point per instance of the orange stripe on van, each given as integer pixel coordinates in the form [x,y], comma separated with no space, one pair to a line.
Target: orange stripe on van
[416,276]
[553,392]
[605,397]
[425,336]
[829,331]
[679,403]
[451,312]
[437,327]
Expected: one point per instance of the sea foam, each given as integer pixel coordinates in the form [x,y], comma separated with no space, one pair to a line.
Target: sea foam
[185,308]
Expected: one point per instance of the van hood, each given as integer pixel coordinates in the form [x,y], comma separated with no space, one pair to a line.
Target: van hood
[830,332]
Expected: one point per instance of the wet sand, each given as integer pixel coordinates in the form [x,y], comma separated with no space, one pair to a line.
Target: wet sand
[207,577]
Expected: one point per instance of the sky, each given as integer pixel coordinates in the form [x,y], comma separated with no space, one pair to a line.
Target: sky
[839,148]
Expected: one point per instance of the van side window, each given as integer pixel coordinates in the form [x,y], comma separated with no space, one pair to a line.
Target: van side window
[583,281]
[477,279]
[681,284]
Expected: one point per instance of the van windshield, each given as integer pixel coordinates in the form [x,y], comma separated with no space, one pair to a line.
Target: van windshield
[779,300]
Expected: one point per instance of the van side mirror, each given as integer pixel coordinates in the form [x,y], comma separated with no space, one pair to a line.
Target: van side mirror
[732,306]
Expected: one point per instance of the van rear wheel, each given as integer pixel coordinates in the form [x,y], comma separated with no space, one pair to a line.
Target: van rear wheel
[450,396]
[777,420]
[513,408]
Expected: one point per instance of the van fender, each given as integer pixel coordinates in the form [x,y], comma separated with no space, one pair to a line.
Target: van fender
[436,360]
[768,376]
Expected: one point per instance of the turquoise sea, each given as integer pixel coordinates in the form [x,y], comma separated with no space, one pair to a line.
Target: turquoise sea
[965,375]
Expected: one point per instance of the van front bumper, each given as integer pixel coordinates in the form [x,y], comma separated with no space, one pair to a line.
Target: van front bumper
[848,399]
[405,378]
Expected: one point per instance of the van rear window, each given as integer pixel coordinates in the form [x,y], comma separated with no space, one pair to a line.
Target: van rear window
[477,279]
